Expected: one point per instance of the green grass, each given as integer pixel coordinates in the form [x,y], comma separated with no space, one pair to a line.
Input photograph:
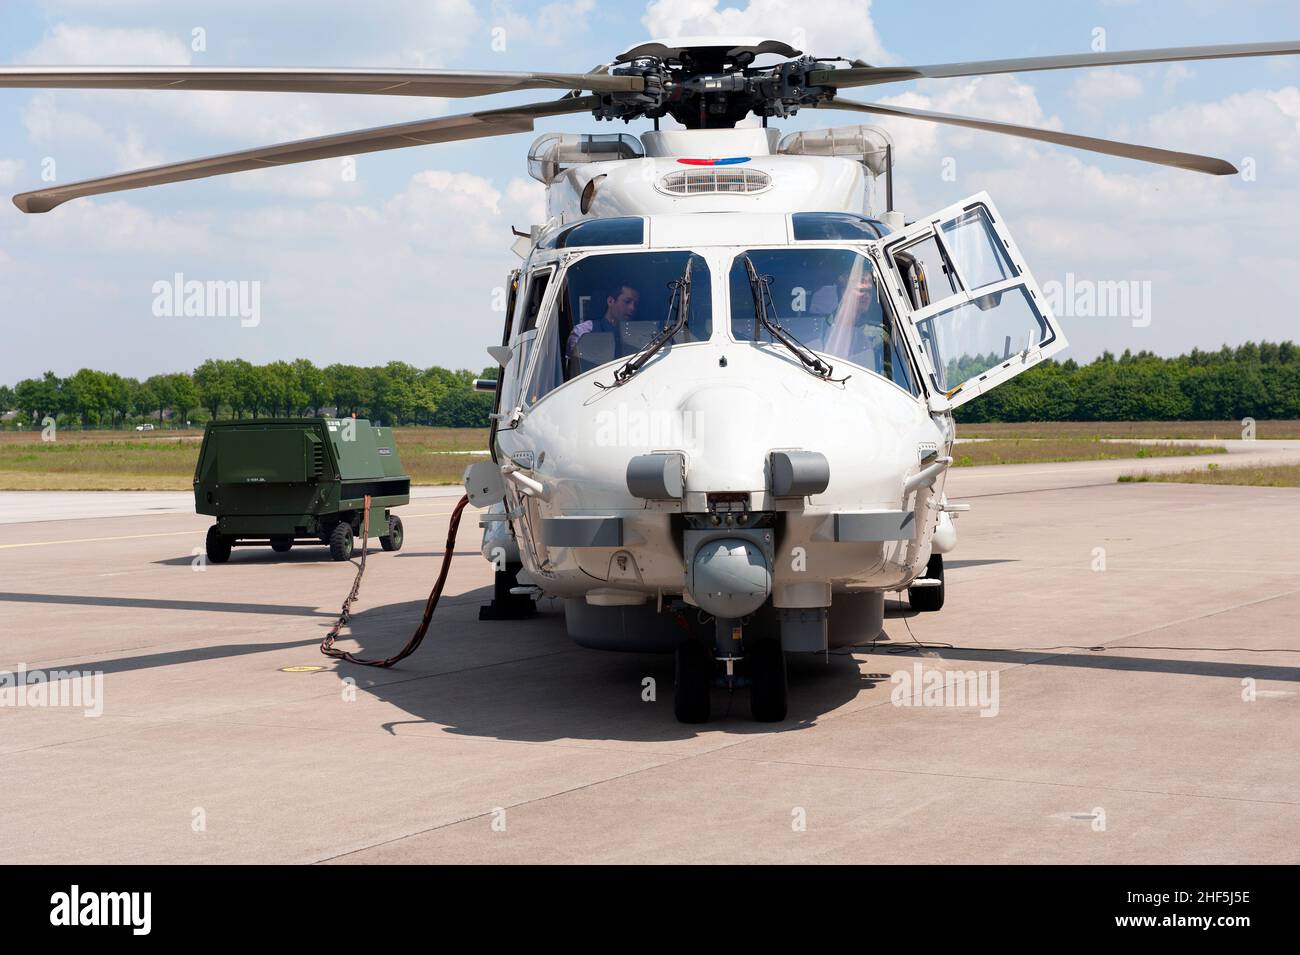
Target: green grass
[164,460]
[1216,430]
[1276,475]
[1043,450]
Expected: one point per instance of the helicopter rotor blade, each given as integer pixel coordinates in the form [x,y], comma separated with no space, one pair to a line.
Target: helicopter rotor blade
[872,75]
[448,83]
[1110,147]
[445,129]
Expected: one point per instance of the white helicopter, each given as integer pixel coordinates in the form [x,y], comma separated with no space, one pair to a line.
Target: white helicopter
[724,417]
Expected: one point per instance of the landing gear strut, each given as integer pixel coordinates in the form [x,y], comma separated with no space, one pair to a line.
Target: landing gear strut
[694,681]
[731,662]
[926,593]
[768,687]
[506,605]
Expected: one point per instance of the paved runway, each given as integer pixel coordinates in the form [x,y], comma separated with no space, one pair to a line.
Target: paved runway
[1143,639]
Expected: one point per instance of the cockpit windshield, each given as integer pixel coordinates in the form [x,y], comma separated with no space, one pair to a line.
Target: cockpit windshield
[610,306]
[828,300]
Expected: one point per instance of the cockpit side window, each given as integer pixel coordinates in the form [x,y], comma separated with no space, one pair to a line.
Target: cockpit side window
[512,300]
[828,300]
[537,283]
[610,306]
[525,319]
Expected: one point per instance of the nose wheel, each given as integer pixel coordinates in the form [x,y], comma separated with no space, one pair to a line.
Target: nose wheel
[768,686]
[693,682]
[763,668]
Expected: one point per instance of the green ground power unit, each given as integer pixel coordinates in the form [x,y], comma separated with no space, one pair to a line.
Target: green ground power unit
[281,481]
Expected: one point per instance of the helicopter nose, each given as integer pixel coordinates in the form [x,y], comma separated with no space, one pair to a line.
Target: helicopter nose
[727,423]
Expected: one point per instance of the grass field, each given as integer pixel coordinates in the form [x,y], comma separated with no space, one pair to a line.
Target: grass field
[1278,475]
[1219,430]
[1043,450]
[164,460]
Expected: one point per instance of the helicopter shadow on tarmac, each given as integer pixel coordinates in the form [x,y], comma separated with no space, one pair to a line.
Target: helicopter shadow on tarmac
[528,681]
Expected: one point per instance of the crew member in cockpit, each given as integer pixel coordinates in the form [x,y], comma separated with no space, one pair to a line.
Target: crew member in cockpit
[620,306]
[857,324]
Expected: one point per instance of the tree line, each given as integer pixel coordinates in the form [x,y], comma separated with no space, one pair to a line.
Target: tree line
[1260,381]
[395,394]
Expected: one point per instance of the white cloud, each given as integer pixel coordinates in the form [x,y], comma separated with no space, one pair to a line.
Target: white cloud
[114,226]
[554,24]
[10,170]
[421,264]
[528,195]
[397,33]
[109,131]
[1096,91]
[77,45]
[827,28]
[1107,219]
[1003,98]
[1264,124]
[326,178]
[67,135]
[1176,74]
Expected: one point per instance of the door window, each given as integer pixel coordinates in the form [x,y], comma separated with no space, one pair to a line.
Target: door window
[976,316]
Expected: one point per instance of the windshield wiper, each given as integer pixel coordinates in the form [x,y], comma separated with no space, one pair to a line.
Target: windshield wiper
[760,287]
[679,309]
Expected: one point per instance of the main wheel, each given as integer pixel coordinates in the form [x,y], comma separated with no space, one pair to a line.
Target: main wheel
[281,543]
[924,599]
[694,681]
[393,539]
[217,545]
[341,541]
[768,690]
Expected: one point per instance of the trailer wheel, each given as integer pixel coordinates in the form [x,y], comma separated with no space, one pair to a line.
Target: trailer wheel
[393,539]
[217,545]
[281,543]
[341,541]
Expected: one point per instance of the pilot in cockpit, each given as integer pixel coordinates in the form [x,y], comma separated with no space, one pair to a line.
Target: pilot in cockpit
[856,326]
[620,306]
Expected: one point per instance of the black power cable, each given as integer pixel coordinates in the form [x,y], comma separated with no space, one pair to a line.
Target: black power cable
[327,645]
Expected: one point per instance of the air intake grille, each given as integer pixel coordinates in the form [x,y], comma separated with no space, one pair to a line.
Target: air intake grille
[714,180]
[317,458]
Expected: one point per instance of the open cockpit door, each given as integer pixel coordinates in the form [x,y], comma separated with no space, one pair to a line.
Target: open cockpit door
[973,313]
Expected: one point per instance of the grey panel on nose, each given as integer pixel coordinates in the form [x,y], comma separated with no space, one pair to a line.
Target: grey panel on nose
[656,477]
[799,473]
[582,532]
[875,526]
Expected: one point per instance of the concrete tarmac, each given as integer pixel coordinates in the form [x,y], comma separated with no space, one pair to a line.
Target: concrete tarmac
[1142,640]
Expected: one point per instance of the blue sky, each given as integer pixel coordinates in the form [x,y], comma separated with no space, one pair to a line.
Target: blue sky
[402,262]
